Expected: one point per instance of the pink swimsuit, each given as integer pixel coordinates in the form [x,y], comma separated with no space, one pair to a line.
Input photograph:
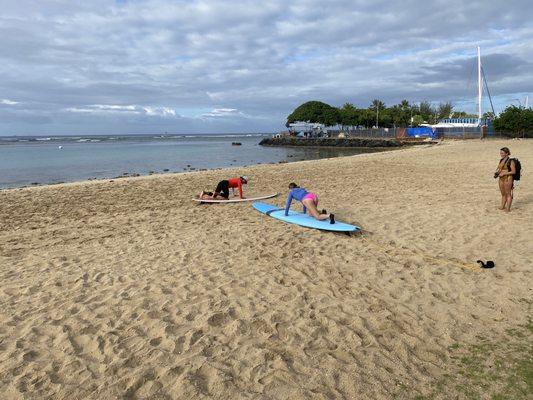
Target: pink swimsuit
[311,196]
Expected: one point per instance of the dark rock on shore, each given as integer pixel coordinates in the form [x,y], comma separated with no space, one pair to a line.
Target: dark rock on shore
[336,142]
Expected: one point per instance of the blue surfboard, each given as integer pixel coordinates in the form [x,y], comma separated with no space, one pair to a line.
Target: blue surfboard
[302,219]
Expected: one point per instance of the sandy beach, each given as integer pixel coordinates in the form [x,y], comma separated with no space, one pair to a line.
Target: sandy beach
[127,289]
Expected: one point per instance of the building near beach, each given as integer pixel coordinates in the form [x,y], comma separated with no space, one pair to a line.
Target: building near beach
[462,127]
[307,129]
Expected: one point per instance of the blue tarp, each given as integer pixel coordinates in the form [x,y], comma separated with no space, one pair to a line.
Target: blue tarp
[422,131]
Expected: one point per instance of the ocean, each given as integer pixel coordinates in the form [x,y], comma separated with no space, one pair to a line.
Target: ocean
[36,160]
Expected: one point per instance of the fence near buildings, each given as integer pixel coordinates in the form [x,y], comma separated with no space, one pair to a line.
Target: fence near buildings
[441,133]
[366,133]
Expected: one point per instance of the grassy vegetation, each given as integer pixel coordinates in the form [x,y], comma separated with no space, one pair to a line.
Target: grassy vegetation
[489,369]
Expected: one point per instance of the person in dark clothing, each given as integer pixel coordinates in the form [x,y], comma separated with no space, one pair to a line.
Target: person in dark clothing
[223,187]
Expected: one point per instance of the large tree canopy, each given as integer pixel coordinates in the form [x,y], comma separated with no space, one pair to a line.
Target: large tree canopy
[348,115]
[515,121]
[315,111]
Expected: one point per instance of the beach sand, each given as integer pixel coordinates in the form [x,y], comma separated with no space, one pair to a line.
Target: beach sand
[128,289]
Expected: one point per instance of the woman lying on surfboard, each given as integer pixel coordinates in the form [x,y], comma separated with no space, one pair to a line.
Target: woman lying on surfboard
[223,188]
[309,202]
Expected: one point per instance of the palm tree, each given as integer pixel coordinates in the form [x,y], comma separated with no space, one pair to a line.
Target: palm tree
[445,110]
[377,105]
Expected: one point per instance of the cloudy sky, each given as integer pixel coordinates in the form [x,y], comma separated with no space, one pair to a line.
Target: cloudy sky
[155,66]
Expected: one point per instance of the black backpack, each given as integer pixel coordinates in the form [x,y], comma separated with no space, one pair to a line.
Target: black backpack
[518,168]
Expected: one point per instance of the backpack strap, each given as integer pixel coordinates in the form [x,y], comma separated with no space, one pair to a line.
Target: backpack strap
[500,163]
[515,166]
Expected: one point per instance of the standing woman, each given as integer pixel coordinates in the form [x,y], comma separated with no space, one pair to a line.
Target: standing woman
[505,174]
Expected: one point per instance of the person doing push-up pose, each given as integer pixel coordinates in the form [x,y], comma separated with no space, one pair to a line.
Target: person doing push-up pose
[309,202]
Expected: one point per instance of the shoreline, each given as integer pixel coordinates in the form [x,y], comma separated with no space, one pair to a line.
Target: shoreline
[134,175]
[130,289]
[351,142]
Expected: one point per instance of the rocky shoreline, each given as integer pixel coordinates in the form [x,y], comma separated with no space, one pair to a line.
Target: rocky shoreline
[338,142]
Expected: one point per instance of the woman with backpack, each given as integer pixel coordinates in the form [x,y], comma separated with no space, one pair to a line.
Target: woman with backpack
[506,172]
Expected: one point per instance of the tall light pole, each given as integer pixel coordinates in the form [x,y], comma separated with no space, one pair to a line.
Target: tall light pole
[377,116]
[414,104]
[479,87]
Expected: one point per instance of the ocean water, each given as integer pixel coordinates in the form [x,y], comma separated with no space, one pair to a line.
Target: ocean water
[28,161]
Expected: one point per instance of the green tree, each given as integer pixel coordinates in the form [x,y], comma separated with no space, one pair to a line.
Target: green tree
[417,120]
[462,114]
[515,121]
[386,118]
[316,112]
[404,104]
[367,117]
[377,106]
[349,115]
[401,114]
[427,112]
[445,110]
[415,111]
[489,115]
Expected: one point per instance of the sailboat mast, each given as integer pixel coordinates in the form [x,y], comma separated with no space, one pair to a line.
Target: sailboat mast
[479,87]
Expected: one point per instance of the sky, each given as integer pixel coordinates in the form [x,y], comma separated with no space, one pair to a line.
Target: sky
[156,66]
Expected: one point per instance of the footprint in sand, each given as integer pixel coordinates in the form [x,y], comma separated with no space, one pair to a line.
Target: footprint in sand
[30,356]
[218,319]
[195,337]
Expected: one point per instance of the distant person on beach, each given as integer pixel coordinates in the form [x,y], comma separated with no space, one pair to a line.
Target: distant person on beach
[309,202]
[223,187]
[505,172]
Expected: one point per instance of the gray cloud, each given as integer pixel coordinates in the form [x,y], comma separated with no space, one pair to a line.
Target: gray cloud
[208,66]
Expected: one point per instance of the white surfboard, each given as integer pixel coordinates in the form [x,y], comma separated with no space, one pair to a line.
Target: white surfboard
[237,200]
